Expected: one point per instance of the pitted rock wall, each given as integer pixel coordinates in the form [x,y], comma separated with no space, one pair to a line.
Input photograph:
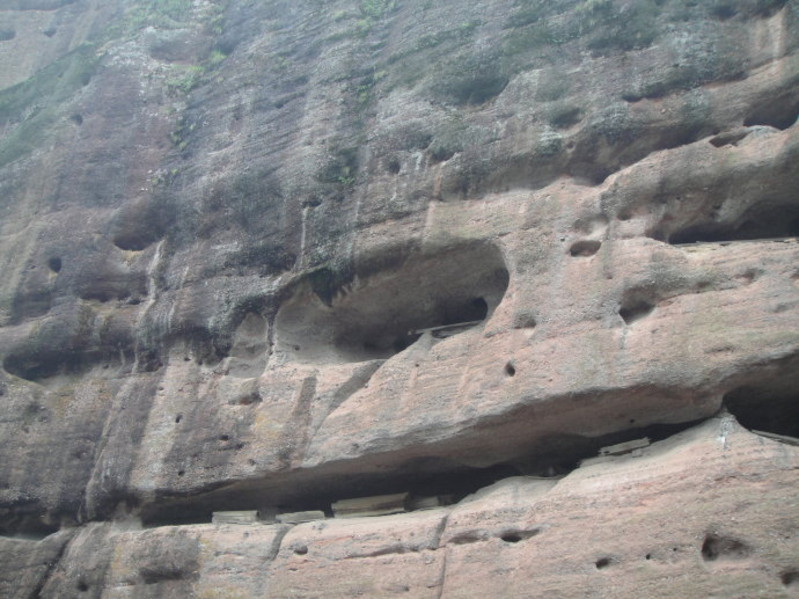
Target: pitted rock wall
[265,256]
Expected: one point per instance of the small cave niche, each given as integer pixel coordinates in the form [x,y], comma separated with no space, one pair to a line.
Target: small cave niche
[729,138]
[26,521]
[165,572]
[779,112]
[50,356]
[790,578]
[635,311]
[765,220]
[517,536]
[141,223]
[393,165]
[770,405]
[716,547]
[54,264]
[439,295]
[602,563]
[635,305]
[511,537]
[585,248]
[36,366]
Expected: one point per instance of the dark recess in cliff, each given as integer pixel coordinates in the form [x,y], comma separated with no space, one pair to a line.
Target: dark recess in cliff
[765,220]
[769,403]
[388,310]
[317,489]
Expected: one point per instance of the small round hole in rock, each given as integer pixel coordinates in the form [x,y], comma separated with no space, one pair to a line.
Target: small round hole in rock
[250,399]
[510,369]
[511,537]
[635,310]
[178,418]
[301,550]
[790,578]
[603,562]
[648,556]
[82,586]
[181,472]
[585,248]
[224,437]
[54,264]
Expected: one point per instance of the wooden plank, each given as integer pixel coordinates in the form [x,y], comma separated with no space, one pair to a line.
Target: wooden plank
[443,329]
[239,517]
[428,503]
[781,438]
[300,517]
[737,241]
[626,447]
[378,505]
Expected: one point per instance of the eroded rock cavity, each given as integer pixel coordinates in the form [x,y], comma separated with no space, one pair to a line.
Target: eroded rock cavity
[381,315]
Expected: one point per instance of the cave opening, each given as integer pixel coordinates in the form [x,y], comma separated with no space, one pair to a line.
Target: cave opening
[635,310]
[384,313]
[717,547]
[38,366]
[25,521]
[769,406]
[446,480]
[762,221]
[636,303]
[781,111]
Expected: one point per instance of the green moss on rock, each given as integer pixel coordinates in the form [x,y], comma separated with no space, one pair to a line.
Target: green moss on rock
[31,108]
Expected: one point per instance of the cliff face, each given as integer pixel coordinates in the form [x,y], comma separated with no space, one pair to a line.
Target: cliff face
[271,255]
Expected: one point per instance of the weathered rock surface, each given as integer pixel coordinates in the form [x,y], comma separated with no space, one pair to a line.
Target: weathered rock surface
[709,511]
[268,256]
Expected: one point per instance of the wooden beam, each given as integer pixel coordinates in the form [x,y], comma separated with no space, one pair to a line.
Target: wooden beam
[378,505]
[626,447]
[444,328]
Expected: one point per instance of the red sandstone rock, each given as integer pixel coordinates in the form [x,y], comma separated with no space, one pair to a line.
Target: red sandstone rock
[270,256]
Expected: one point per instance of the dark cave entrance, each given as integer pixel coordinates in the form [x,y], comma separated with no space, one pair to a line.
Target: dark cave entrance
[762,221]
[771,407]
[375,318]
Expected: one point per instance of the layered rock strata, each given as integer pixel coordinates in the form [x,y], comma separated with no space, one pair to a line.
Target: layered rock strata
[270,256]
